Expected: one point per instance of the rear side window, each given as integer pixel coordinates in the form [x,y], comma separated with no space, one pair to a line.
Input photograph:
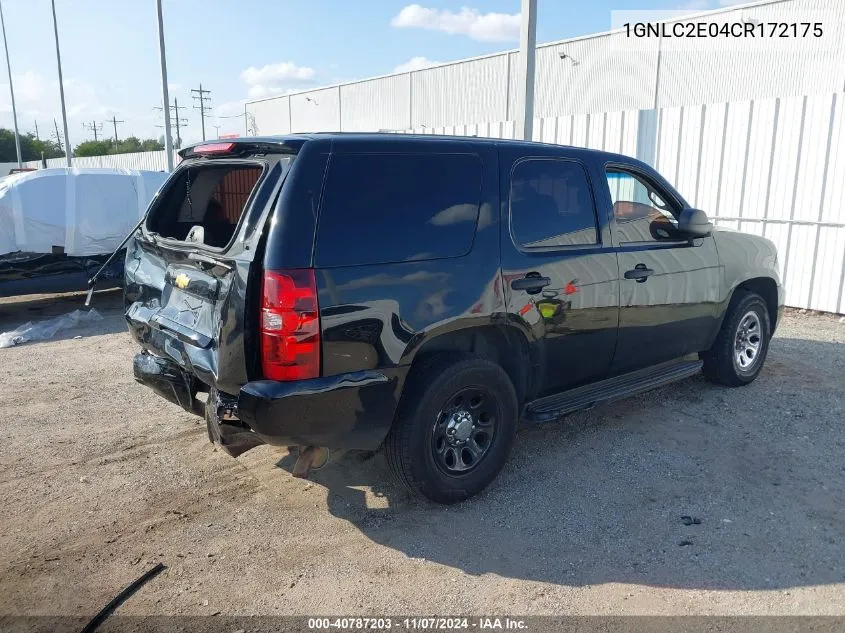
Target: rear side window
[386,208]
[551,204]
[204,203]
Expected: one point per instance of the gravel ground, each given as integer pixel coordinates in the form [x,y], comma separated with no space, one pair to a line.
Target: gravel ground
[101,479]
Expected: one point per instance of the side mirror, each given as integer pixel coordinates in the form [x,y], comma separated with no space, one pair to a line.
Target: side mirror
[694,223]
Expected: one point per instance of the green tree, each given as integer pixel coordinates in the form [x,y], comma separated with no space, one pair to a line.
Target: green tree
[92,148]
[108,146]
[31,147]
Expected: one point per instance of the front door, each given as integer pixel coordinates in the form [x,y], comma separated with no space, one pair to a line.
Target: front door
[559,266]
[669,286]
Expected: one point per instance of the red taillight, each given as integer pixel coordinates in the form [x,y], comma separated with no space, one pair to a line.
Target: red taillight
[214,148]
[290,325]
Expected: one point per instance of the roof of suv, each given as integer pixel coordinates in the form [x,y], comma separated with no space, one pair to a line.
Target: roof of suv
[341,137]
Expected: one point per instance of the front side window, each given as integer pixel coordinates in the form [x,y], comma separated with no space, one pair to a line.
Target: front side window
[642,213]
[551,204]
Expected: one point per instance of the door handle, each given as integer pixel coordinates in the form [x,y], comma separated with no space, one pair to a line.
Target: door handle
[532,281]
[640,272]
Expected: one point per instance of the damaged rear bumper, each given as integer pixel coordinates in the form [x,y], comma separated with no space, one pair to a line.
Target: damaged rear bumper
[168,380]
[347,411]
[351,411]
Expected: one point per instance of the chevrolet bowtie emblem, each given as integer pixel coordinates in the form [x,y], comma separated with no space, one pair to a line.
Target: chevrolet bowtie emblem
[182,280]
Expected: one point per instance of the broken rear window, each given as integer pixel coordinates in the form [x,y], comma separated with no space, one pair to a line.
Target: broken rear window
[203,204]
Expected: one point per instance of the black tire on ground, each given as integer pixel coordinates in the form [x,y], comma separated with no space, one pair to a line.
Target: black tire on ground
[730,361]
[428,429]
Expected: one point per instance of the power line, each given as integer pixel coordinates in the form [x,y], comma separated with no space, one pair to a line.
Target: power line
[93,127]
[199,95]
[115,121]
[177,121]
[249,121]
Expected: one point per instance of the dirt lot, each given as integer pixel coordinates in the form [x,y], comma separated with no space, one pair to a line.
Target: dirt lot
[101,479]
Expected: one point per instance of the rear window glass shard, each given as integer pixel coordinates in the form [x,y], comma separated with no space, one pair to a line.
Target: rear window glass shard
[389,208]
[203,204]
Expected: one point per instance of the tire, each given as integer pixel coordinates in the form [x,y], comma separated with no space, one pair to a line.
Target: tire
[433,447]
[725,363]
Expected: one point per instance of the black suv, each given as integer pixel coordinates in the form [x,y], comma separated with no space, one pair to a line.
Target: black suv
[424,294]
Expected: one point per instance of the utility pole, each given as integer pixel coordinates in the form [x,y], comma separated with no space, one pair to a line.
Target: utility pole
[114,123]
[165,97]
[11,89]
[37,138]
[176,121]
[199,95]
[61,83]
[93,127]
[178,134]
[58,136]
[527,51]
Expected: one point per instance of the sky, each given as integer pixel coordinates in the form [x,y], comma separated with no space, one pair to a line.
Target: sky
[247,49]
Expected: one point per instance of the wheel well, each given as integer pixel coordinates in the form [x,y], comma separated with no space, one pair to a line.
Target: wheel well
[768,289]
[505,346]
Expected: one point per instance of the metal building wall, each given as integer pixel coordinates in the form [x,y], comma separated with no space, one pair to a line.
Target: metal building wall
[601,73]
[315,111]
[377,104]
[271,116]
[606,72]
[716,70]
[465,92]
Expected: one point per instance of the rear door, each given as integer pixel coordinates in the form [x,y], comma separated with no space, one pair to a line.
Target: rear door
[559,266]
[189,269]
[669,285]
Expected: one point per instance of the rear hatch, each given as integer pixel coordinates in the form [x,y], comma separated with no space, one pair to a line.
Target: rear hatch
[189,269]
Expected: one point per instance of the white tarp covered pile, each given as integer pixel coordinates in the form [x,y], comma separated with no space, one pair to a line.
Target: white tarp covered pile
[83,211]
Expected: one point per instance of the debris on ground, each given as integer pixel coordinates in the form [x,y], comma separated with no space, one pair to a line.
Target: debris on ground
[688,520]
[122,597]
[44,330]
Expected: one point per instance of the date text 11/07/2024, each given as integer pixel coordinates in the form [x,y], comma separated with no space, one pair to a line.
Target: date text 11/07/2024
[418,623]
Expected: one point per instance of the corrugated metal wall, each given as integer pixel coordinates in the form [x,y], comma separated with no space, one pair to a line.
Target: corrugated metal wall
[773,167]
[602,73]
[380,104]
[460,93]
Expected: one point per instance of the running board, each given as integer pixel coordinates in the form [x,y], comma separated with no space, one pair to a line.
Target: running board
[557,405]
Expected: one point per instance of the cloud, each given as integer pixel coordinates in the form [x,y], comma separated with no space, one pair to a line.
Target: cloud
[415,63]
[270,80]
[275,73]
[30,87]
[485,27]
[730,3]
[694,5]
[230,108]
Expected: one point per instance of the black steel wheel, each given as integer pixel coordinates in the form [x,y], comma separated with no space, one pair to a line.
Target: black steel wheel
[454,427]
[464,430]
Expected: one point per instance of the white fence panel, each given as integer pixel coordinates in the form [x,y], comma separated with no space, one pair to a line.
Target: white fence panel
[149,161]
